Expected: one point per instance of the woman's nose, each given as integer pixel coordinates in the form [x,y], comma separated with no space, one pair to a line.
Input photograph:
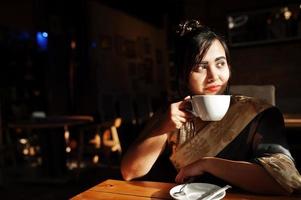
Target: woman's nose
[212,74]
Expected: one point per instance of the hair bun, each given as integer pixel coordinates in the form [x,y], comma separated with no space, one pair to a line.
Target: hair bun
[188,26]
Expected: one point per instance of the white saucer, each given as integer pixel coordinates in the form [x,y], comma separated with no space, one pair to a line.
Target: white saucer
[195,190]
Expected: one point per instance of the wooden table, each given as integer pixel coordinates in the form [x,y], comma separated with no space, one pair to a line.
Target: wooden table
[292,120]
[51,135]
[51,122]
[141,190]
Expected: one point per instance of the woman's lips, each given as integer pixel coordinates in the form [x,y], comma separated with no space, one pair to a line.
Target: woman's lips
[213,88]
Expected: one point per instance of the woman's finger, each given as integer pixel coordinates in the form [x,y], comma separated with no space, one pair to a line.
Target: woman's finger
[187,97]
[184,105]
[185,114]
[179,178]
[183,119]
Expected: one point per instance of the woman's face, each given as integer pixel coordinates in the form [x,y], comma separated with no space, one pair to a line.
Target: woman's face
[211,75]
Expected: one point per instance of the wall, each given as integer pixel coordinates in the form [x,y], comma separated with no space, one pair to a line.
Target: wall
[128,61]
[276,64]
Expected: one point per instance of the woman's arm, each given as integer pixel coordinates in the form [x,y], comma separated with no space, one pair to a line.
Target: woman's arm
[141,156]
[248,176]
[143,153]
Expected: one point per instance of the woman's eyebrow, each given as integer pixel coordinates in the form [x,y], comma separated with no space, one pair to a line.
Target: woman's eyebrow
[216,59]
[220,58]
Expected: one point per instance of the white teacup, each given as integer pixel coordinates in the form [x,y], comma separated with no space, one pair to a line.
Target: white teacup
[210,107]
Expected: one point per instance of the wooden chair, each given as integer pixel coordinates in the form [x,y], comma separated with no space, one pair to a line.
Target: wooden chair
[106,139]
[110,138]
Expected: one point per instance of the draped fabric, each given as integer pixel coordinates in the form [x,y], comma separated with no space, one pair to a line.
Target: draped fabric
[283,170]
[248,122]
[212,137]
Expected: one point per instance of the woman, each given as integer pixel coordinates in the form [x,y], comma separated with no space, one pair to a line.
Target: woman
[247,148]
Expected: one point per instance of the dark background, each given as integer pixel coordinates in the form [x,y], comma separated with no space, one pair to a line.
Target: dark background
[63,80]
[122,63]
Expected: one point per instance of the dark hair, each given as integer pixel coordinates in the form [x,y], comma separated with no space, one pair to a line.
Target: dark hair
[192,44]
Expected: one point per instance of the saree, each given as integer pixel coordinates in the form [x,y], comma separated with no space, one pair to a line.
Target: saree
[210,138]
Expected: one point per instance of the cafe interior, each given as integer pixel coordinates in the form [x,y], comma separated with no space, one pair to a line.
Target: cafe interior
[79,79]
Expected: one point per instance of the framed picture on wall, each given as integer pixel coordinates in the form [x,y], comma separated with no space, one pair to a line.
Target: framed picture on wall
[105,42]
[148,71]
[119,45]
[130,48]
[146,46]
[140,47]
[132,69]
[159,56]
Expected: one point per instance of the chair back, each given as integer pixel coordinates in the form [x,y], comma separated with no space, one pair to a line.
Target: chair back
[265,92]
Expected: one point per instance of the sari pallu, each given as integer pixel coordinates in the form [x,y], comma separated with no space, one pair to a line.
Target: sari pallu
[210,138]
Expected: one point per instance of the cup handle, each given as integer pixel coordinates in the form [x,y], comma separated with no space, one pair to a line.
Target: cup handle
[191,111]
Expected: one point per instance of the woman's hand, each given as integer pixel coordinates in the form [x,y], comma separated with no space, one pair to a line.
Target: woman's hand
[194,169]
[176,115]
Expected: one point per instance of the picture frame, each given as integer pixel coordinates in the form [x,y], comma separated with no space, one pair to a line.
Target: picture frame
[105,42]
[130,48]
[119,45]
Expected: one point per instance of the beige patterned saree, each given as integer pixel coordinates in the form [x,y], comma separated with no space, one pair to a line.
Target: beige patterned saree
[206,139]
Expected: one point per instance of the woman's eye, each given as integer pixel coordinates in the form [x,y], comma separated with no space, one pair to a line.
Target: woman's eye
[221,64]
[201,67]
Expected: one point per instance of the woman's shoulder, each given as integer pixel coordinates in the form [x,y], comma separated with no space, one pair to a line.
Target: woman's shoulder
[272,113]
[270,123]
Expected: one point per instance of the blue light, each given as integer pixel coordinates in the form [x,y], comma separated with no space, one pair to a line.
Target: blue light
[45,34]
[42,40]
[93,44]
